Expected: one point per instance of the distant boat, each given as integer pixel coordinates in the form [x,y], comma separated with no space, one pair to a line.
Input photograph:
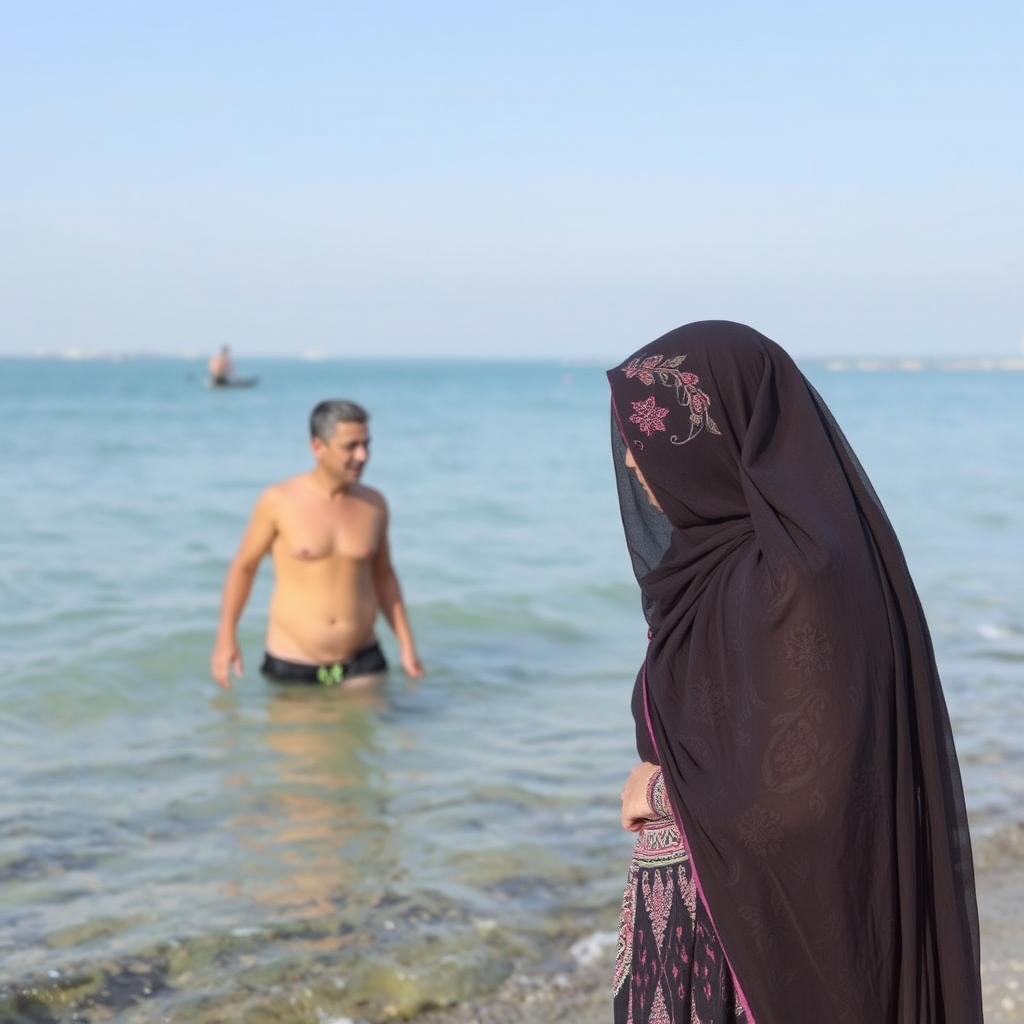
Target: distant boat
[232,382]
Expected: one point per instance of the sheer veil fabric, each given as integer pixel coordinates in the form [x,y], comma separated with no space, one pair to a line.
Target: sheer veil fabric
[790,692]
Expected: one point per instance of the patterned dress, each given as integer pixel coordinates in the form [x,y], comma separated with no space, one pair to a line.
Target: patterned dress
[669,967]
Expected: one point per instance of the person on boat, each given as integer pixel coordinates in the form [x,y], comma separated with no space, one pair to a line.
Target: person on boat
[802,853]
[220,368]
[327,535]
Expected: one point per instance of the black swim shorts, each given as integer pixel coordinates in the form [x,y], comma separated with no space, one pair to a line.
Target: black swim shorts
[368,661]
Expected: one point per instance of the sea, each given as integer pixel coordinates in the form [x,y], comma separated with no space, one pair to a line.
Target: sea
[171,852]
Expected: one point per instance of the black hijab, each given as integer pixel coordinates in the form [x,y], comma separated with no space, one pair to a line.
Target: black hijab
[790,692]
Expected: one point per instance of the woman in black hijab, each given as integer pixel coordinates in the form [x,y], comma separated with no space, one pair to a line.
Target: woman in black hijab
[803,854]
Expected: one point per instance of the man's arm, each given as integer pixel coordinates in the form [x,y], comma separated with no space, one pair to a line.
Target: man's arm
[389,598]
[256,542]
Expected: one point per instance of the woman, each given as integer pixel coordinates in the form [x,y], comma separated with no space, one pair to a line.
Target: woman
[803,854]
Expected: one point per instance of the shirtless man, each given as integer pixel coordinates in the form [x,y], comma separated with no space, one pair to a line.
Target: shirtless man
[327,536]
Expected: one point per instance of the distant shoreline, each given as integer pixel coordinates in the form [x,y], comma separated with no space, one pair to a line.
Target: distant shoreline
[911,364]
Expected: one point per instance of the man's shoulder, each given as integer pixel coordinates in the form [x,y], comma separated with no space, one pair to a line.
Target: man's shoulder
[281,490]
[371,496]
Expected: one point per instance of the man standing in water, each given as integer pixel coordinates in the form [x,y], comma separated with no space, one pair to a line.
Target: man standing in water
[220,367]
[327,536]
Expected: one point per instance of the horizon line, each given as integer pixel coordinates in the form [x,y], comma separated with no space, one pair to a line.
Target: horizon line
[836,361]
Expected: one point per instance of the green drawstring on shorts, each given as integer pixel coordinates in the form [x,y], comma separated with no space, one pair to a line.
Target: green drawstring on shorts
[329,675]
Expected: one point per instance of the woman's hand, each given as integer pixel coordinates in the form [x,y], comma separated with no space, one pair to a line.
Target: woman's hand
[635,808]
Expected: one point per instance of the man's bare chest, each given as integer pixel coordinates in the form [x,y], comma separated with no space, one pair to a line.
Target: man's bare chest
[310,536]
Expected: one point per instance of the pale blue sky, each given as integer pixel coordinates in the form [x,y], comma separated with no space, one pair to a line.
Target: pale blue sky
[472,178]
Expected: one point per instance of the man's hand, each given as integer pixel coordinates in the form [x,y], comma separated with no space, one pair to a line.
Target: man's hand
[226,658]
[635,808]
[412,665]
